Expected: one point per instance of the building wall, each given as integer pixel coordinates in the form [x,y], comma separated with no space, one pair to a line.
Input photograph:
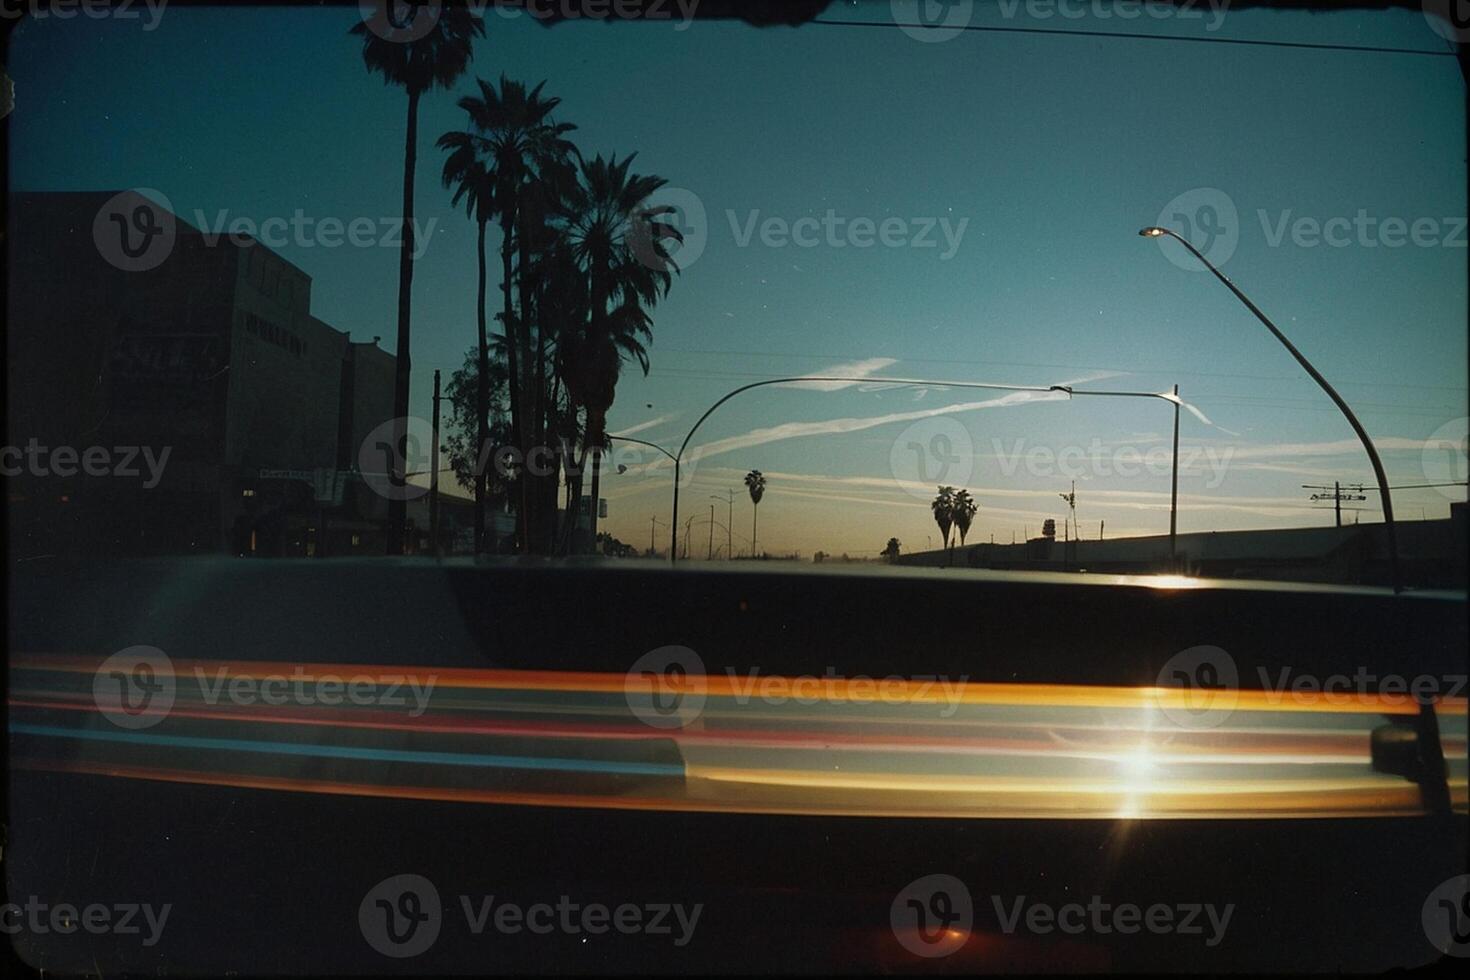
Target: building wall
[372,392]
[285,370]
[213,356]
[102,357]
[1432,554]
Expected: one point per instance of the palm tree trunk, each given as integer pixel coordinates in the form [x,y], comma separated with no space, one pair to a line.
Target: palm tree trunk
[566,531]
[755,511]
[535,521]
[596,422]
[513,361]
[596,426]
[398,509]
[545,407]
[482,401]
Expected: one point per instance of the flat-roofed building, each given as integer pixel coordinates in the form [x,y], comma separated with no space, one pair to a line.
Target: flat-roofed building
[210,363]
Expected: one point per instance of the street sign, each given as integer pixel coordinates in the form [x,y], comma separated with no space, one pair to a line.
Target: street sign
[306,475]
[327,485]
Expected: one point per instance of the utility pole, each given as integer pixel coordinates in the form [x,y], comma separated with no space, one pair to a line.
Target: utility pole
[710,554]
[1174,490]
[434,476]
[1337,496]
[729,523]
[1071,499]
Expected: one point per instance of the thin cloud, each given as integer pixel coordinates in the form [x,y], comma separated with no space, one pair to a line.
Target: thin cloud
[801,430]
[641,426]
[851,369]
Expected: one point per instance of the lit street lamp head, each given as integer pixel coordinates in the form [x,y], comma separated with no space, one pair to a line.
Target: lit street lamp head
[1154,231]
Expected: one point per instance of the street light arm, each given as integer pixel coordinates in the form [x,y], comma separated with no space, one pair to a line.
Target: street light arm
[678,457]
[861,380]
[1393,551]
[641,442]
[1162,396]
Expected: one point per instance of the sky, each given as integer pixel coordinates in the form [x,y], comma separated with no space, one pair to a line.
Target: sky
[886,202]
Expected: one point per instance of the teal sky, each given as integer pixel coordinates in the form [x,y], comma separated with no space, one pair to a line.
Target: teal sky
[1052,152]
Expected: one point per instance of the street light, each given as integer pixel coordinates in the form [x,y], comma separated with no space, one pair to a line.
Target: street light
[679,456]
[1068,390]
[1174,478]
[643,443]
[653,522]
[696,522]
[729,522]
[1393,549]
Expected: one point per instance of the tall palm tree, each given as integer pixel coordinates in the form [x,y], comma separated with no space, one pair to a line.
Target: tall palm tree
[755,482]
[467,171]
[619,244]
[943,508]
[964,512]
[418,61]
[513,132]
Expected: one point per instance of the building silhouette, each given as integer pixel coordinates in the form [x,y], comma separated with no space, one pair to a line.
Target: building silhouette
[212,356]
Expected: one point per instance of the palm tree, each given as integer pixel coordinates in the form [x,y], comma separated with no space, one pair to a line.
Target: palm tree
[943,507]
[755,482]
[618,243]
[515,138]
[418,61]
[964,513]
[467,172]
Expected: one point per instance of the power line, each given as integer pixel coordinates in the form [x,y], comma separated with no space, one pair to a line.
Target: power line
[1202,398]
[1042,364]
[1425,486]
[1126,35]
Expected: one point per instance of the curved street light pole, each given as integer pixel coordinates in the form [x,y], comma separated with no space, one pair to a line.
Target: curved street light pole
[1067,389]
[679,456]
[1393,550]
[651,445]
